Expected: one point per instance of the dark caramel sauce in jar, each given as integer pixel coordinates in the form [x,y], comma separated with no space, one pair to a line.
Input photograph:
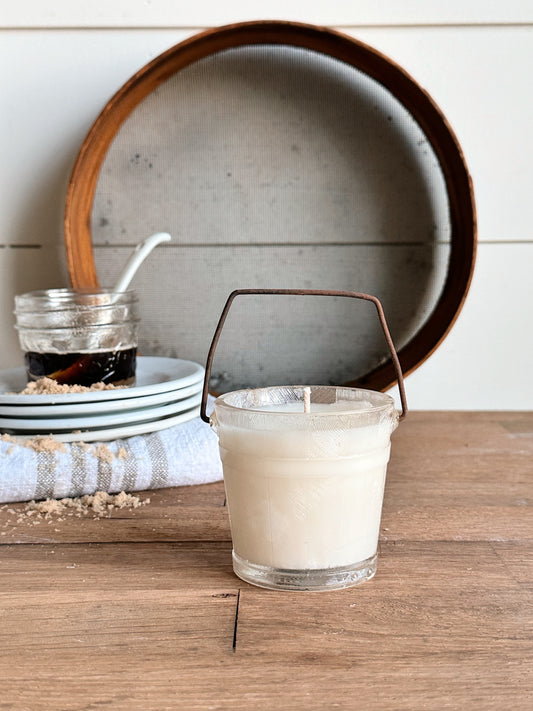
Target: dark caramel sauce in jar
[83,368]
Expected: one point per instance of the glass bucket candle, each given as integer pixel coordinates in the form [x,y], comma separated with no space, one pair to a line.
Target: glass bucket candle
[304,489]
[78,337]
[304,469]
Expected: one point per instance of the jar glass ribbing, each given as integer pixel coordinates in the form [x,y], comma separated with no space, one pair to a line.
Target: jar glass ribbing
[78,336]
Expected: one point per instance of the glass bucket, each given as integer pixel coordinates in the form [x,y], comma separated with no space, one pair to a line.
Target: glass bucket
[304,489]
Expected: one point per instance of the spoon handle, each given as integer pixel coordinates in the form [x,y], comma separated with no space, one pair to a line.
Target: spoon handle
[142,250]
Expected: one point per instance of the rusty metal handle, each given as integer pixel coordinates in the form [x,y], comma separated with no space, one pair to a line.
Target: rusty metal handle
[302,292]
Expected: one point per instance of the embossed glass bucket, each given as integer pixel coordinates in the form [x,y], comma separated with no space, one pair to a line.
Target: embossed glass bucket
[304,470]
[304,489]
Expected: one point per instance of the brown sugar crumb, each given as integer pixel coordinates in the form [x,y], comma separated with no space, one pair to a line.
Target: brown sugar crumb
[41,443]
[48,507]
[48,386]
[104,454]
[12,440]
[99,504]
[45,444]
[53,511]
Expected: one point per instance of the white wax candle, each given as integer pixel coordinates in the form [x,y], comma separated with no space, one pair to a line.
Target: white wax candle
[305,494]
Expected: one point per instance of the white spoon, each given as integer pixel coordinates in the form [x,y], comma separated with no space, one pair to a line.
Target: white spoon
[142,250]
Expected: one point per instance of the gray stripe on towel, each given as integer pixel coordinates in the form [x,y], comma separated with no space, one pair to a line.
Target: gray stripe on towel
[46,463]
[129,480]
[159,461]
[103,481]
[78,457]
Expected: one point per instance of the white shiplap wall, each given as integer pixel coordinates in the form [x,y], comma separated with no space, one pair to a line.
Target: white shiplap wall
[62,61]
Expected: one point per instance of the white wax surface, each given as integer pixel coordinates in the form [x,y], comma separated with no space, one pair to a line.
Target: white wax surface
[296,406]
[305,499]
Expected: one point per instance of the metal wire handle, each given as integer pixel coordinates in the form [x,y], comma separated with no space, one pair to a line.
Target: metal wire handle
[302,292]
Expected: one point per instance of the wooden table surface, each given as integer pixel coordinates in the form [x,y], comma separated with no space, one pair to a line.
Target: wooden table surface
[142,610]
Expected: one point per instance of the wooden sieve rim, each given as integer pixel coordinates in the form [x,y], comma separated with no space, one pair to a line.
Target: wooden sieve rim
[322,40]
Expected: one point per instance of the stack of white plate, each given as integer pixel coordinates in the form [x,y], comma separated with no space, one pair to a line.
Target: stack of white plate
[167,391]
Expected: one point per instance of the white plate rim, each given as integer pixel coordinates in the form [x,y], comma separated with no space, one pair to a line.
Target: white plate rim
[92,422]
[143,363]
[118,433]
[86,408]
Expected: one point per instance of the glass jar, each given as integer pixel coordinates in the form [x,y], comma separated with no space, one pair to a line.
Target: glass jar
[79,337]
[304,487]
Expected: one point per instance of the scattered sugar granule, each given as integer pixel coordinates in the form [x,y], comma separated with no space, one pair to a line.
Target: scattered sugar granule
[45,444]
[41,443]
[12,440]
[53,511]
[48,386]
[99,504]
[104,453]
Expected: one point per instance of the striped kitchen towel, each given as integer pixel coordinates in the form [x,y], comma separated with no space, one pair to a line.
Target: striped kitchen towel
[41,468]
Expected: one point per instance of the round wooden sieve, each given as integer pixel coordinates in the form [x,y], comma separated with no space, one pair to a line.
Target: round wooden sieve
[340,51]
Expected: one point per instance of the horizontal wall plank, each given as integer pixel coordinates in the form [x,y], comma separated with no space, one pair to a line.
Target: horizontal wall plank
[24,269]
[47,115]
[157,13]
[485,361]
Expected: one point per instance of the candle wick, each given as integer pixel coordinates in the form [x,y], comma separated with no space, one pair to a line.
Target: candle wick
[307,399]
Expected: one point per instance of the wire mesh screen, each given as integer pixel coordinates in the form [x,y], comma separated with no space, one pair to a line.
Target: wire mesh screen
[274,167]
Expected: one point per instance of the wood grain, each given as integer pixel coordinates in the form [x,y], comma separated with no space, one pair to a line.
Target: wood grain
[142,611]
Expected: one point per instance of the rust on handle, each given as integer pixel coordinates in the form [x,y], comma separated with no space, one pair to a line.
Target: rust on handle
[302,292]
